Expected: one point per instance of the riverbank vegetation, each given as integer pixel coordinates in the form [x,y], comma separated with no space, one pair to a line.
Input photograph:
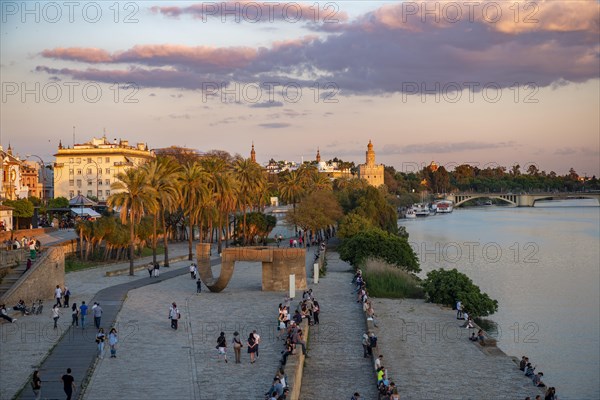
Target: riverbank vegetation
[448,286]
[388,281]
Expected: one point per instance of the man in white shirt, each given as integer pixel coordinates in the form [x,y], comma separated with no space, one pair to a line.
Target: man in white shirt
[257,339]
[174,315]
[459,312]
[58,295]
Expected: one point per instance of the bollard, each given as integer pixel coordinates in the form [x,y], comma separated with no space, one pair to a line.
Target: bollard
[316,273]
[292,286]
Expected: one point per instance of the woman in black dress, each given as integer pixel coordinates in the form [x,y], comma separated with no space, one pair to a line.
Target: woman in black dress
[251,347]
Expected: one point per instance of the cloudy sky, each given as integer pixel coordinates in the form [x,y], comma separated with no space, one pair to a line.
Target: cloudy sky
[483,82]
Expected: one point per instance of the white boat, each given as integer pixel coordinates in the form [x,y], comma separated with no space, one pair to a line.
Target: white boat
[422,210]
[487,203]
[444,206]
[410,213]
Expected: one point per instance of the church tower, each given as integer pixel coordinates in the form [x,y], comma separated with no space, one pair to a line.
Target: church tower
[371,172]
[253,153]
[318,158]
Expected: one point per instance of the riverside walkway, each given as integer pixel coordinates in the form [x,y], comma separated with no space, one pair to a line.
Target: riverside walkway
[25,344]
[336,367]
[429,356]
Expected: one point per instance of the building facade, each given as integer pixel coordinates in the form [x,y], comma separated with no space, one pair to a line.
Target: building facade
[371,172]
[11,187]
[90,168]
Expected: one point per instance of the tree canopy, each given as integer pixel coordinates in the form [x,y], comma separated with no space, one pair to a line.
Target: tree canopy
[448,286]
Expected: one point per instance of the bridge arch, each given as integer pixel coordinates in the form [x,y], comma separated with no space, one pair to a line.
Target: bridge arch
[461,199]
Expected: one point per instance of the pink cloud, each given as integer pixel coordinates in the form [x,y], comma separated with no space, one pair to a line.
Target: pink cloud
[90,55]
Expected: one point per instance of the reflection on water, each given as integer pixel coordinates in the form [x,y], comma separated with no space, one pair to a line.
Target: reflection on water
[542,265]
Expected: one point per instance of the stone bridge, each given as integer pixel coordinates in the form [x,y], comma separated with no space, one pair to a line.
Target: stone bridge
[277,265]
[519,200]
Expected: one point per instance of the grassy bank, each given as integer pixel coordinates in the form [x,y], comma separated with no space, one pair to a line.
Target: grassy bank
[386,281]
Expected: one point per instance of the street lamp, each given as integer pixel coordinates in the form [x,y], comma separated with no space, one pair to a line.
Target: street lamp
[43,194]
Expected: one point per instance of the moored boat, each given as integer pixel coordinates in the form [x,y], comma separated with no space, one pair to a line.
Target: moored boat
[444,206]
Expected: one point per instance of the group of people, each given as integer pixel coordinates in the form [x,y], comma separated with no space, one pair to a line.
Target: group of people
[536,378]
[387,390]
[67,379]
[31,244]
[153,269]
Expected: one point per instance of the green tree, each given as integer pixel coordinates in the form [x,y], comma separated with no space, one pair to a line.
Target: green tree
[134,197]
[448,286]
[352,224]
[22,211]
[379,244]
[194,191]
[317,211]
[251,183]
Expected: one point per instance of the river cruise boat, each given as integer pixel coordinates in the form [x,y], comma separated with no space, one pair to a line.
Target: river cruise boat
[444,206]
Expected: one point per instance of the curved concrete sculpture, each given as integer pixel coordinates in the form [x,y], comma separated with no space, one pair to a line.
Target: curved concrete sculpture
[277,266]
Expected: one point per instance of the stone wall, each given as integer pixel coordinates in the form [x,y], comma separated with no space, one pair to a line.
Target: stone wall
[40,281]
[18,234]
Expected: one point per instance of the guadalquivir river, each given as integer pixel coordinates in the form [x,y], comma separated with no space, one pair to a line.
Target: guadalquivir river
[542,265]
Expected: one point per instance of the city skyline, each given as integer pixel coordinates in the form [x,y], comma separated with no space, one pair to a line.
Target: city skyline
[423,80]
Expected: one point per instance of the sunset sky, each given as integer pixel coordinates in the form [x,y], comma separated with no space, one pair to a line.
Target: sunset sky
[483,82]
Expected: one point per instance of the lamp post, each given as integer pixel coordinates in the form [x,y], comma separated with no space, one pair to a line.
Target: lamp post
[43,194]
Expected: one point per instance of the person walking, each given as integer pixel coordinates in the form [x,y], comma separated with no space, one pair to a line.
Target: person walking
[316,310]
[55,315]
[237,347]
[100,337]
[68,383]
[58,295]
[222,346]
[97,315]
[82,313]
[156,269]
[174,315]
[459,310]
[113,339]
[75,315]
[150,269]
[198,286]
[251,347]
[67,295]
[193,271]
[257,339]
[36,385]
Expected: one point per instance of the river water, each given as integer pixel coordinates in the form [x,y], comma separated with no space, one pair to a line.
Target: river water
[542,265]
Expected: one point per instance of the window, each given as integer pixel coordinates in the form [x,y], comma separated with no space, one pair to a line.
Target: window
[90,160]
[70,161]
[78,172]
[107,160]
[89,193]
[99,160]
[99,193]
[78,161]
[89,182]
[107,193]
[99,171]
[79,183]
[78,192]
[71,194]
[107,181]
[71,171]
[89,171]
[100,182]
[71,182]
[108,171]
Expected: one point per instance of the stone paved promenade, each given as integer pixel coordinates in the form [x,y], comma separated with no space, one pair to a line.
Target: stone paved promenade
[429,356]
[337,368]
[24,344]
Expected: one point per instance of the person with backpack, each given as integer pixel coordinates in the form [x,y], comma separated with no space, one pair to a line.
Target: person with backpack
[174,315]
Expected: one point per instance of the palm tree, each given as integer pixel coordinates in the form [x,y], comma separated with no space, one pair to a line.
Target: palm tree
[163,174]
[135,197]
[251,183]
[194,190]
[292,188]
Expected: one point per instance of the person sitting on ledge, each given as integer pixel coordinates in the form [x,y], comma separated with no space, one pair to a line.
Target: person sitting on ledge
[473,337]
[523,363]
[481,337]
[537,380]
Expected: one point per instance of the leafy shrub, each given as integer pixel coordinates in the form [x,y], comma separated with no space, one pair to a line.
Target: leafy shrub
[447,287]
[384,280]
[379,244]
